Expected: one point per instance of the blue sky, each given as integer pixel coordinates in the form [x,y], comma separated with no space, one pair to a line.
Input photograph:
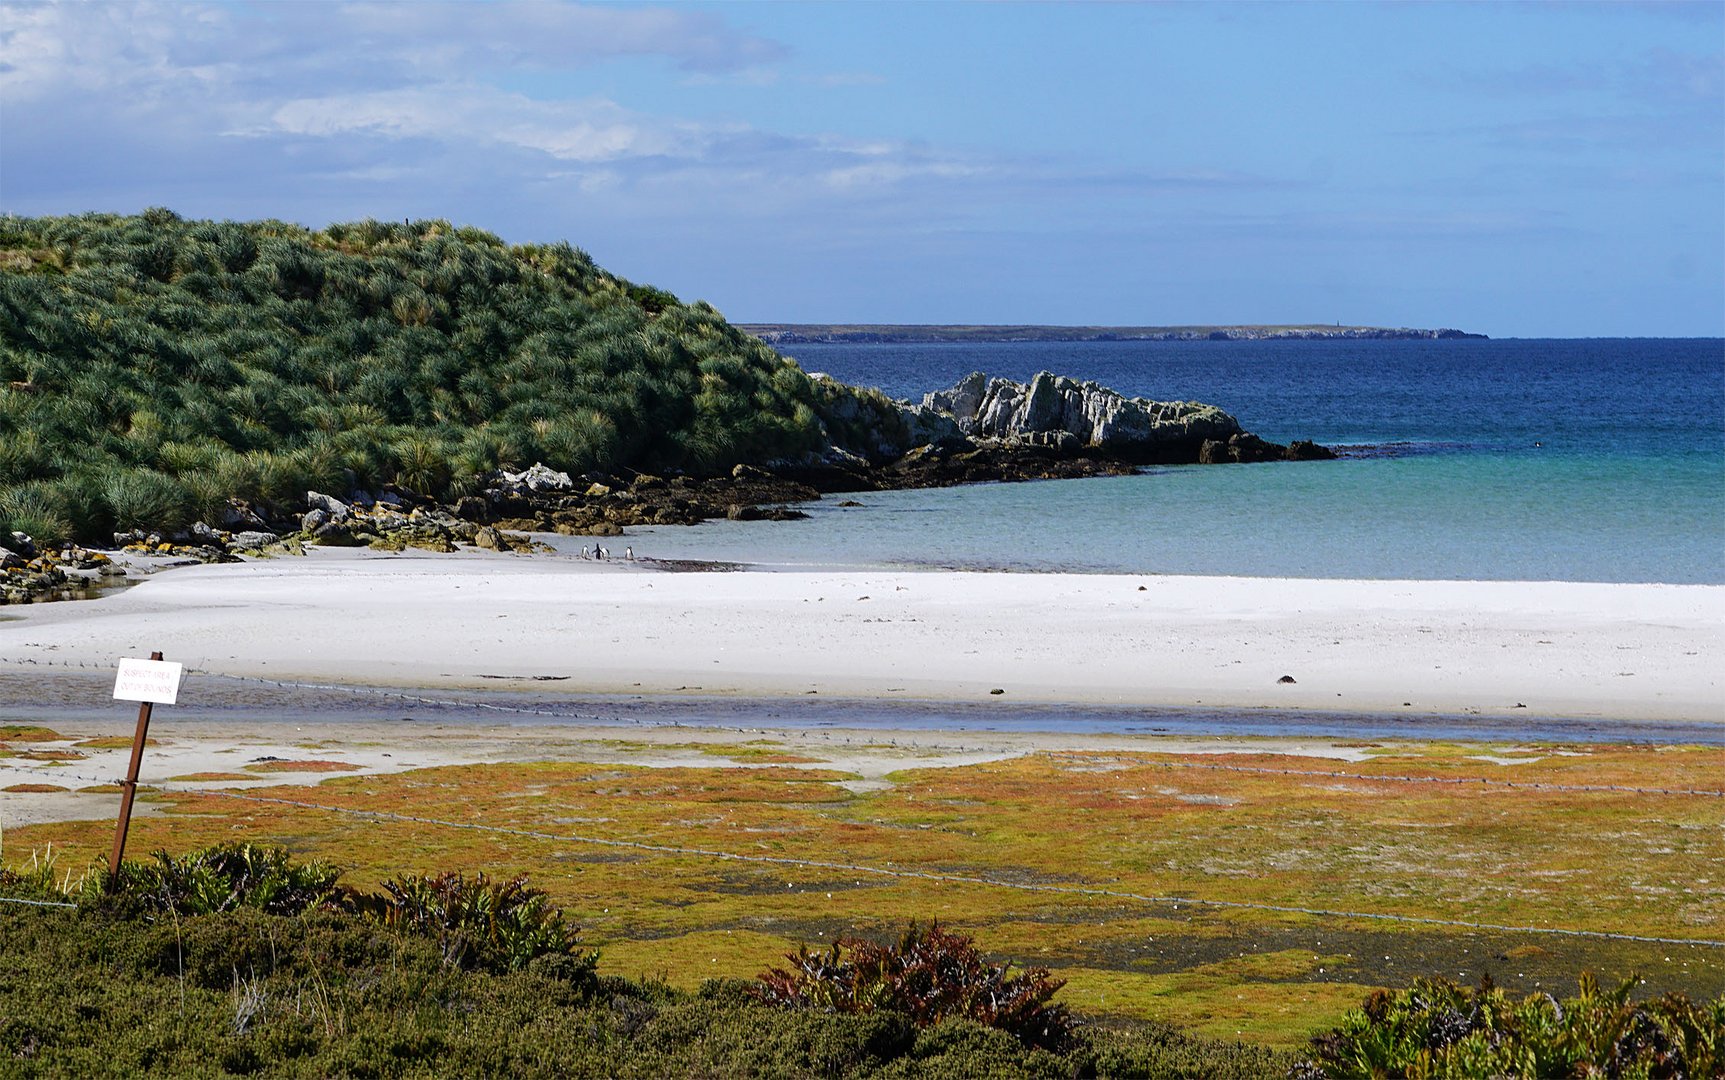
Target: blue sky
[1528,169]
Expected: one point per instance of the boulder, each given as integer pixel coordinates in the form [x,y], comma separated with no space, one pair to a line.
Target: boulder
[252,539]
[472,508]
[538,477]
[1247,449]
[337,534]
[314,520]
[489,539]
[329,504]
[237,515]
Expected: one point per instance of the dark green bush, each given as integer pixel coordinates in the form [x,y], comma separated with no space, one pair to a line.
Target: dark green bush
[95,992]
[1438,1029]
[929,975]
[477,922]
[226,877]
[151,367]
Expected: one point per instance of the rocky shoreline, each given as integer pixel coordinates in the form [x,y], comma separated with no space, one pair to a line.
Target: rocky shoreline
[981,430]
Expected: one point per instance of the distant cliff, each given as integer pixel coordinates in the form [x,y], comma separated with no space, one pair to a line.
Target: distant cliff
[863,334]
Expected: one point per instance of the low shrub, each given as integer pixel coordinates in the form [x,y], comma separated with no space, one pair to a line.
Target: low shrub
[930,975]
[478,922]
[225,877]
[1437,1029]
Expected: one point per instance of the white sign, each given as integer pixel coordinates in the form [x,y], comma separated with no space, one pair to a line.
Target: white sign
[147,680]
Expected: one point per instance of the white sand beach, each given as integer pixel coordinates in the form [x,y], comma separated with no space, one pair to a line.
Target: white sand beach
[1605,651]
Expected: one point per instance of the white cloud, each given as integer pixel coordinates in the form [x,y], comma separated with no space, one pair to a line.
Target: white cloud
[586,131]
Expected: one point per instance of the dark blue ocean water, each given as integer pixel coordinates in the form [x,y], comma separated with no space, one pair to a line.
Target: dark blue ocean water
[1610,396]
[1582,460]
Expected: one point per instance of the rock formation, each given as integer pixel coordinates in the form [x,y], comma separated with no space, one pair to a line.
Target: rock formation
[1067,415]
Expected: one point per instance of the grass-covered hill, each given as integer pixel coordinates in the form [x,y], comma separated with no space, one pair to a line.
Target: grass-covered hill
[152,367]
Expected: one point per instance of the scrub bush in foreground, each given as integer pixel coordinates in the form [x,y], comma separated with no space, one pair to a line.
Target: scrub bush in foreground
[225,877]
[929,975]
[1437,1029]
[477,922]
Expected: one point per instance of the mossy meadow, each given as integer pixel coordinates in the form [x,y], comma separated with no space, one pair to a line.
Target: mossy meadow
[1461,833]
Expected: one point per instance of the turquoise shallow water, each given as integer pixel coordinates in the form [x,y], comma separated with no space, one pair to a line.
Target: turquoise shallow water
[1488,460]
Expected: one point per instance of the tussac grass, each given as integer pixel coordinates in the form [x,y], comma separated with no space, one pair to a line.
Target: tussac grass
[1520,856]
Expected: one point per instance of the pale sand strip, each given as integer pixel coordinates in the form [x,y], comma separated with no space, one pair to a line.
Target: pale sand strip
[225,749]
[1559,649]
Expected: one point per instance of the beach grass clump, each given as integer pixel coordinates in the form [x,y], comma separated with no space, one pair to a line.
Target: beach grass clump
[41,878]
[225,877]
[930,975]
[477,922]
[1437,1029]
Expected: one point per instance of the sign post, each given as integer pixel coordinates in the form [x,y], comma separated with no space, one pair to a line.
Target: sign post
[150,682]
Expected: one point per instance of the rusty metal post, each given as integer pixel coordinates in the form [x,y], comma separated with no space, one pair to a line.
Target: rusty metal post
[129,786]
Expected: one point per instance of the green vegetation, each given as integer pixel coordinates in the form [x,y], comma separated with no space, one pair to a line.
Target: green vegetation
[476,922]
[235,960]
[223,878]
[1563,856]
[152,368]
[1436,1029]
[930,975]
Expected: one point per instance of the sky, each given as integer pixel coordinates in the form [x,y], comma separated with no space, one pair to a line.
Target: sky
[1517,169]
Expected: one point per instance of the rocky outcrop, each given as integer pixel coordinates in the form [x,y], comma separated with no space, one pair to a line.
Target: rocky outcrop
[29,574]
[1067,415]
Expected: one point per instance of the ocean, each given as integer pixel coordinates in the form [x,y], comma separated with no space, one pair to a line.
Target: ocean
[1535,460]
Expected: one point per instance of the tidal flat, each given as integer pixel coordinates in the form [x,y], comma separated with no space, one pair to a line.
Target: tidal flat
[1156,875]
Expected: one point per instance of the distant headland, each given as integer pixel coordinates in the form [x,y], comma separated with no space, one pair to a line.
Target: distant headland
[867,333]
